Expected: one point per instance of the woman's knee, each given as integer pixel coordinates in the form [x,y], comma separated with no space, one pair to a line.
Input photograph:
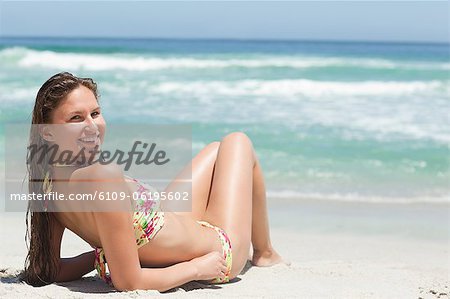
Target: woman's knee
[239,138]
[214,145]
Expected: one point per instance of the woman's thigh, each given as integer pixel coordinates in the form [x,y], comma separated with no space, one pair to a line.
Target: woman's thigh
[202,167]
[230,202]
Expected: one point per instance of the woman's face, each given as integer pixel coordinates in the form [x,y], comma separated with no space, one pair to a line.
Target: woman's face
[78,123]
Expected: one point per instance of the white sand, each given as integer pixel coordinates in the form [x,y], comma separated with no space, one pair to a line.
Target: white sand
[324,265]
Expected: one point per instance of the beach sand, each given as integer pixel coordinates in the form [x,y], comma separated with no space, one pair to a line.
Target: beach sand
[337,250]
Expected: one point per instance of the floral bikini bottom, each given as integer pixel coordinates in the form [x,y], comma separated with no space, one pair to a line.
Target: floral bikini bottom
[226,250]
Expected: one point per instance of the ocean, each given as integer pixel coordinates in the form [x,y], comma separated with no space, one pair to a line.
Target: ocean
[344,121]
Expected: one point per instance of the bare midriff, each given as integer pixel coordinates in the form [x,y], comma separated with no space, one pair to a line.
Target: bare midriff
[180,239]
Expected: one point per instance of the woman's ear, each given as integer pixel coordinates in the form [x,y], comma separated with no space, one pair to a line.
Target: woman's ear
[46,133]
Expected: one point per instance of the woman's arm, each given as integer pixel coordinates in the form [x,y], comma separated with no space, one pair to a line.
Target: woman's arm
[205,267]
[75,267]
[69,268]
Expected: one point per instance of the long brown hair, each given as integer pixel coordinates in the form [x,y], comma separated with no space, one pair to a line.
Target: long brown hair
[41,263]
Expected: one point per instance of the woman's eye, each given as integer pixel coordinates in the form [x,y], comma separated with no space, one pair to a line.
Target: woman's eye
[75,117]
[95,113]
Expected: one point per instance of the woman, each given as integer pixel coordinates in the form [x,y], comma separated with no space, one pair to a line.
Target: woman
[210,243]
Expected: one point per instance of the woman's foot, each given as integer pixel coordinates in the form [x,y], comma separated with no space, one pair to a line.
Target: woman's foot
[267,258]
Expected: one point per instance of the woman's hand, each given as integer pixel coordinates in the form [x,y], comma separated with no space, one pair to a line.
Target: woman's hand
[210,266]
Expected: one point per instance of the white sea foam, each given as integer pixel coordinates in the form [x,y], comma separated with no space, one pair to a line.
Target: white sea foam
[142,62]
[320,174]
[302,87]
[362,109]
[18,94]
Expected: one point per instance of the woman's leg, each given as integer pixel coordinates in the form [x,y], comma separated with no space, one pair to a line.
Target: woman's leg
[230,202]
[202,176]
[202,168]
[263,252]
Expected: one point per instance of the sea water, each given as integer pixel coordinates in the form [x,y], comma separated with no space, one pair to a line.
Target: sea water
[330,120]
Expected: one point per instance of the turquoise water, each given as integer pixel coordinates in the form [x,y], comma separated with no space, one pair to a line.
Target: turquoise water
[343,121]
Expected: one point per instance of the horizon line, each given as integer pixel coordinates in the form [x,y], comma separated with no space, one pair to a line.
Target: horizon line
[307,40]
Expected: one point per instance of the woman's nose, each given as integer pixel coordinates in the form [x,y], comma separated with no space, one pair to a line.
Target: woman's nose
[91,126]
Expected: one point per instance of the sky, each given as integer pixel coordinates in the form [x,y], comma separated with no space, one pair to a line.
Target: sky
[401,21]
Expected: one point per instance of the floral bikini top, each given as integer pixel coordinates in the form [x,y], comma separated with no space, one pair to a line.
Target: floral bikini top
[147,221]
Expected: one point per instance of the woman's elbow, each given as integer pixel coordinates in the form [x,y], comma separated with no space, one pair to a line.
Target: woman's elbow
[123,286]
[123,283]
[133,283]
[133,286]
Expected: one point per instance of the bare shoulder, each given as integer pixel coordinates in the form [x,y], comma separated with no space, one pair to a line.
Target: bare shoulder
[104,184]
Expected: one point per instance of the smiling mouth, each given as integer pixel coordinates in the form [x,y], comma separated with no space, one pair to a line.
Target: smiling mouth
[90,141]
